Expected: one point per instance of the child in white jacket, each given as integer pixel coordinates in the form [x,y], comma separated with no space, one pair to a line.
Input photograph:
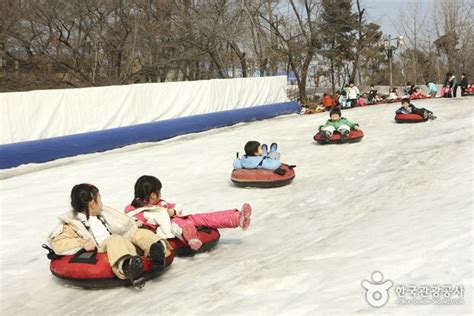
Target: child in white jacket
[92,226]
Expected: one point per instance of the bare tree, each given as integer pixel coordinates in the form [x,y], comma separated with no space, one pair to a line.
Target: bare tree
[454,27]
[412,24]
[296,35]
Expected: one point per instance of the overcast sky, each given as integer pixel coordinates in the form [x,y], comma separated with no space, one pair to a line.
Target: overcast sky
[386,12]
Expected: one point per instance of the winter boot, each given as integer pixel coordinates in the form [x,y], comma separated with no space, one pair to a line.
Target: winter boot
[344,135]
[132,267]
[326,134]
[157,255]
[273,147]
[244,216]
[264,150]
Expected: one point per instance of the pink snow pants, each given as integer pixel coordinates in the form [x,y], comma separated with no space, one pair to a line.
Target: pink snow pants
[218,219]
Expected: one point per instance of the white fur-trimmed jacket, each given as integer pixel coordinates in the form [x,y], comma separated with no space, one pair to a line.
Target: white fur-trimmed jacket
[70,235]
[156,218]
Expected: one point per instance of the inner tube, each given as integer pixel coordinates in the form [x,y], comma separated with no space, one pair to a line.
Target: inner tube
[312,111]
[208,236]
[393,100]
[355,136]
[262,178]
[97,275]
[422,97]
[409,118]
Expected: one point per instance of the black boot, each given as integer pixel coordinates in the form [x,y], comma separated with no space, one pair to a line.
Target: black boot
[157,255]
[344,135]
[326,135]
[132,267]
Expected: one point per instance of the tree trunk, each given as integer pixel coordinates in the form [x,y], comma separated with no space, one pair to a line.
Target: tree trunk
[333,83]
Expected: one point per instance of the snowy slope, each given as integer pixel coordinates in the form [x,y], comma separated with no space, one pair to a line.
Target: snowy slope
[400,202]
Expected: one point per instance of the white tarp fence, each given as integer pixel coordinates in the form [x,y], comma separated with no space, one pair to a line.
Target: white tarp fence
[48,113]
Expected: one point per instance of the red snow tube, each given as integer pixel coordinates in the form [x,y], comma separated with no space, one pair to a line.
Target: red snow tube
[261,178]
[208,236]
[354,137]
[98,275]
[393,100]
[409,118]
[420,97]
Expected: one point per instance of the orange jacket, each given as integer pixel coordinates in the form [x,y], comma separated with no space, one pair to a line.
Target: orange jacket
[327,101]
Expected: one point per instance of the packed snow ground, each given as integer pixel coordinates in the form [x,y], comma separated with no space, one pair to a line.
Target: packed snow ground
[400,202]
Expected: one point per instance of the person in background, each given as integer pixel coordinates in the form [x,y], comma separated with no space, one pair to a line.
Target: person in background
[336,98]
[344,101]
[362,101]
[353,94]
[327,101]
[452,84]
[372,95]
[394,94]
[464,84]
[409,88]
[417,93]
[432,88]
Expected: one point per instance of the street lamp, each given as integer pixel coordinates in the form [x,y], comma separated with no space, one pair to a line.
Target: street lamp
[389,48]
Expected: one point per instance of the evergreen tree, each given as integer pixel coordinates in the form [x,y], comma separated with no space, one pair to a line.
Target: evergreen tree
[338,27]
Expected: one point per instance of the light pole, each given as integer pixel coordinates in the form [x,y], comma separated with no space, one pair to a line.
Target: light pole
[389,48]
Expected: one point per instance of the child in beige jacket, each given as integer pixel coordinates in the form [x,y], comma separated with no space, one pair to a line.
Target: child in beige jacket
[92,226]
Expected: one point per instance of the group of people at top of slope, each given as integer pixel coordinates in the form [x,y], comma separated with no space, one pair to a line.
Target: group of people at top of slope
[449,89]
[146,223]
[451,84]
[350,96]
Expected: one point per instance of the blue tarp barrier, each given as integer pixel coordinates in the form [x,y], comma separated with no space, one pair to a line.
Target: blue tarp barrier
[43,150]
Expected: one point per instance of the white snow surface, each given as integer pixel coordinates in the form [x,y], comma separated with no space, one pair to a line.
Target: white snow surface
[399,202]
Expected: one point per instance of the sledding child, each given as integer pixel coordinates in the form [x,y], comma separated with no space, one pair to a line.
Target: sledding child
[327,101]
[162,218]
[337,123]
[92,226]
[372,95]
[257,157]
[432,88]
[409,89]
[393,95]
[417,93]
[408,108]
[362,101]
[344,101]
